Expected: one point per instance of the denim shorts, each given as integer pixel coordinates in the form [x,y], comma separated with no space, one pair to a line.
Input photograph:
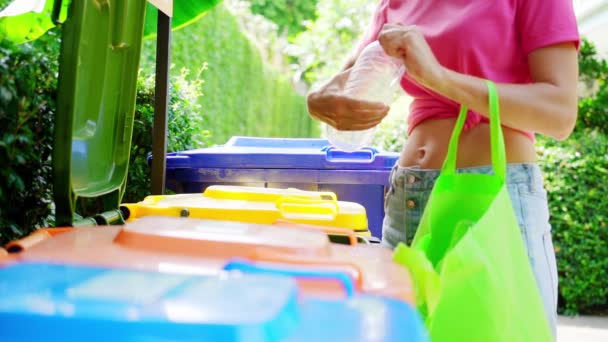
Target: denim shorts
[409,192]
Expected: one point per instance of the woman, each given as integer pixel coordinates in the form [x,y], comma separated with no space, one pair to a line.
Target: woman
[528,47]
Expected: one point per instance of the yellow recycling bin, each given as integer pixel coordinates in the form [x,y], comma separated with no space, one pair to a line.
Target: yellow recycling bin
[256,205]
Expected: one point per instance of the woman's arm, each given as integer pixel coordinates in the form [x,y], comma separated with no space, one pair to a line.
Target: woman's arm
[547,106]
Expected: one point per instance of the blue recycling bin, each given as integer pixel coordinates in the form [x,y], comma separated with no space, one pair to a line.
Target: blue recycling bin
[308,164]
[52,302]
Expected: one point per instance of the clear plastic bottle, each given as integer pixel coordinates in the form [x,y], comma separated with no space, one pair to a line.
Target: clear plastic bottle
[375,77]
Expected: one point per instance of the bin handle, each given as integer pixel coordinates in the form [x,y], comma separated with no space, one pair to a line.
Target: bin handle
[177,161]
[352,238]
[328,196]
[247,266]
[292,206]
[56,12]
[306,200]
[119,39]
[262,254]
[366,155]
[28,241]
[35,238]
[318,196]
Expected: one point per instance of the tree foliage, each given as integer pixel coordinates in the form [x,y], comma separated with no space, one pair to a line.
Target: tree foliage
[321,50]
[290,15]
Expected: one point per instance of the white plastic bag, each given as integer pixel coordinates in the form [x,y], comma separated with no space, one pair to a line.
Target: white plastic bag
[375,77]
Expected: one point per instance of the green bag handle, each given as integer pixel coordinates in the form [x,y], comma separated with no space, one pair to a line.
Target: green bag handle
[499,159]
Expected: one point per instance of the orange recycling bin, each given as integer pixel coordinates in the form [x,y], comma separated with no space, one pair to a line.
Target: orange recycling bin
[197,246]
[348,237]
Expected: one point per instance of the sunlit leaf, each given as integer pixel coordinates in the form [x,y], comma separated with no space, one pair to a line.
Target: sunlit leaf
[29,26]
[185,12]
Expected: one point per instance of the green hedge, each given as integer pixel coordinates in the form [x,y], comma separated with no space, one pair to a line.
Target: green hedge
[576,178]
[242,95]
[576,171]
[28,83]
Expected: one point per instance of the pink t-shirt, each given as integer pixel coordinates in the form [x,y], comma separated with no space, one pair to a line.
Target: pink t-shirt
[490,39]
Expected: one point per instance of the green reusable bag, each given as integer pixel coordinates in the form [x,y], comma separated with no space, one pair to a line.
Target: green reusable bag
[468,260]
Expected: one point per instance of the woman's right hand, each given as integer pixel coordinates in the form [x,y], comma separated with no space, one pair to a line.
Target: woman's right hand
[329,105]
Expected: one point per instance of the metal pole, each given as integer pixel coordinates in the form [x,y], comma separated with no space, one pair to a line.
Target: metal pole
[159,139]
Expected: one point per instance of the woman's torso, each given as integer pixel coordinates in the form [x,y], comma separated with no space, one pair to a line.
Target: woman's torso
[427,145]
[464,34]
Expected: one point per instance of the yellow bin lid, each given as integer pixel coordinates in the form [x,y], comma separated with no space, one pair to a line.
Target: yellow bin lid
[255,205]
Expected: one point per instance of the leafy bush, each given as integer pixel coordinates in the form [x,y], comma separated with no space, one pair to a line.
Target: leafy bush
[243,95]
[593,109]
[28,83]
[576,171]
[184,124]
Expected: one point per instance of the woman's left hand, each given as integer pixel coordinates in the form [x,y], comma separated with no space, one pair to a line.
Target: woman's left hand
[408,44]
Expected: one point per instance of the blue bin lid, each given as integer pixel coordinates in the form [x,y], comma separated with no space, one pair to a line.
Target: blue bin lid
[359,319]
[280,153]
[74,303]
[67,303]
